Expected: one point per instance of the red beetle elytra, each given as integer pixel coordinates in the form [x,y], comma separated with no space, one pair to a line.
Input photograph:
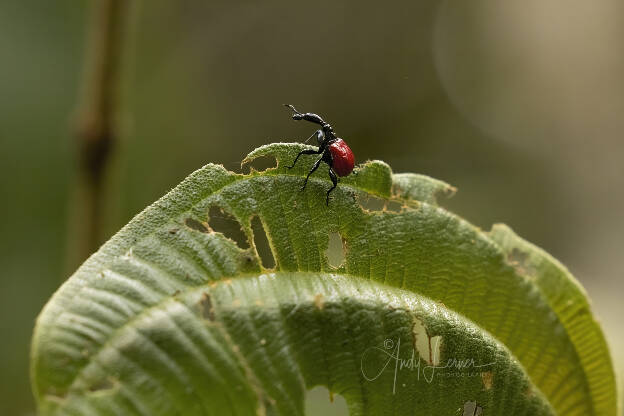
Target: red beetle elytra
[333,150]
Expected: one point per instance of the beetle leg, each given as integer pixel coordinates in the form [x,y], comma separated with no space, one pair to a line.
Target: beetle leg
[334,180]
[315,167]
[304,152]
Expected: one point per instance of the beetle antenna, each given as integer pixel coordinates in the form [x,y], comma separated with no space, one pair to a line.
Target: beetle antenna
[292,107]
[308,139]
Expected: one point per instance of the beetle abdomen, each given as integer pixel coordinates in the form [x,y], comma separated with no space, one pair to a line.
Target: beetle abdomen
[343,159]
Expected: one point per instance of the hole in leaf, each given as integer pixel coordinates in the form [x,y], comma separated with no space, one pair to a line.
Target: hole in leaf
[472,409]
[206,307]
[335,252]
[259,164]
[194,224]
[428,347]
[321,402]
[373,203]
[520,261]
[487,377]
[394,206]
[100,385]
[225,223]
[319,302]
[262,243]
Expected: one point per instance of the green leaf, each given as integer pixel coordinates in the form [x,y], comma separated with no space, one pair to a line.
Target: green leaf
[426,315]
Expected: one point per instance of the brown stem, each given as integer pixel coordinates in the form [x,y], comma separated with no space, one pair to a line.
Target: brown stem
[95,124]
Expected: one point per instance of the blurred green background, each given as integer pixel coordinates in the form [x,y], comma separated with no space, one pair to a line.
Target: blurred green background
[520,104]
